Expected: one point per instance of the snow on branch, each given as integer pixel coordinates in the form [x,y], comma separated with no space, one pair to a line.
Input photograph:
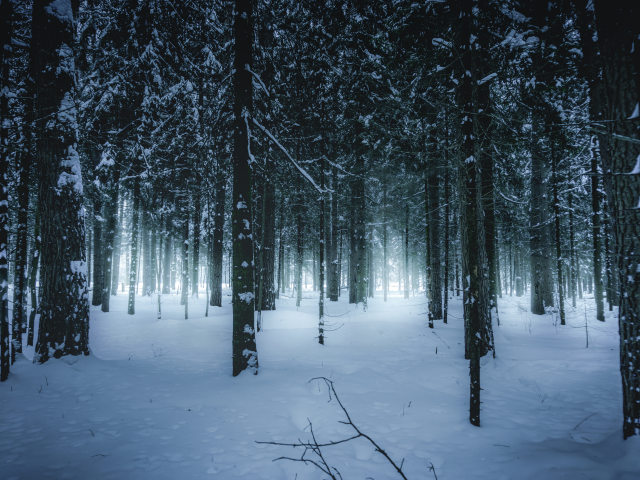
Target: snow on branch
[248,69]
[510,200]
[304,173]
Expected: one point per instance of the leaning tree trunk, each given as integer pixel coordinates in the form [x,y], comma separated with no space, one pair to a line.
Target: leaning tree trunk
[244,351]
[64,308]
[617,26]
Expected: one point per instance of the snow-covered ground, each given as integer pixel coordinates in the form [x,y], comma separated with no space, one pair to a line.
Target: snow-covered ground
[156,399]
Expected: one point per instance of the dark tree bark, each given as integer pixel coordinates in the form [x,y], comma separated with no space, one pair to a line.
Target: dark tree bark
[117,249]
[351,279]
[21,268]
[110,236]
[35,260]
[269,245]
[133,263]
[385,266]
[216,249]
[617,24]
[184,298]
[197,215]
[556,211]
[471,266]
[485,160]
[359,255]
[280,255]
[96,298]
[572,252]
[539,231]
[167,256]
[146,251]
[64,307]
[321,235]
[405,257]
[435,298]
[153,254]
[244,351]
[299,243]
[590,70]
[446,237]
[334,278]
[6,22]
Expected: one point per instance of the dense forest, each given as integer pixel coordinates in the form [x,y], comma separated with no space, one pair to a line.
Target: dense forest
[458,149]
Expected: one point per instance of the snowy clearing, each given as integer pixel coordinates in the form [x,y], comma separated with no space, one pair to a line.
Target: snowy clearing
[156,400]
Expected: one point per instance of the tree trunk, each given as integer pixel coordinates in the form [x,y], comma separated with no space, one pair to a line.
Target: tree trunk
[299,246]
[153,255]
[469,221]
[269,246]
[133,263]
[446,237]
[184,250]
[216,250]
[35,257]
[96,298]
[117,249]
[110,236]
[538,230]
[334,279]
[435,298]
[64,307]
[405,258]
[146,252]
[281,258]
[572,271]
[617,26]
[195,261]
[321,235]
[385,266]
[167,257]
[6,20]
[556,211]
[244,351]
[590,70]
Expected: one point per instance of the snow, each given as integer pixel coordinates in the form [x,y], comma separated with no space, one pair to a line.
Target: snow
[61,9]
[636,169]
[156,399]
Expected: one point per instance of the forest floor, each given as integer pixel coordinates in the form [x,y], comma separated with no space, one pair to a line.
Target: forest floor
[156,399]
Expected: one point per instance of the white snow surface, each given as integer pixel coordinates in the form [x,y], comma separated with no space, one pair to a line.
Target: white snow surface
[156,399]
